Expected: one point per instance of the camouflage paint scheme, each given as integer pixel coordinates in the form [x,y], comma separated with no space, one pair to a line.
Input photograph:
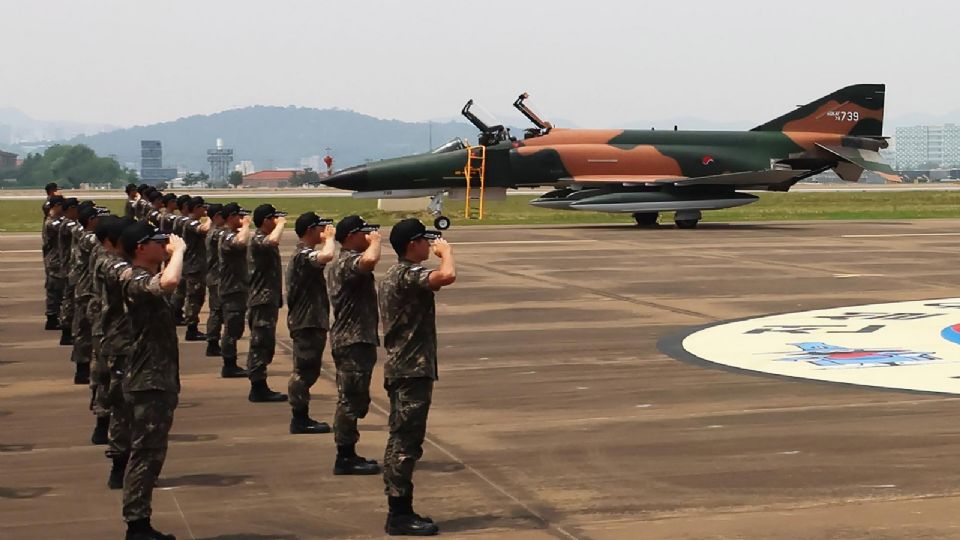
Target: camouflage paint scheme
[645,172]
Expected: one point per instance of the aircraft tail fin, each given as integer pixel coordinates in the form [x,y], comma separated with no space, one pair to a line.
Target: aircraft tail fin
[855,111]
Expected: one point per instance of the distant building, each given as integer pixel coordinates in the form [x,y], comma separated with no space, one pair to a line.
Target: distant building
[219,159]
[926,147]
[245,167]
[269,179]
[8,160]
[151,164]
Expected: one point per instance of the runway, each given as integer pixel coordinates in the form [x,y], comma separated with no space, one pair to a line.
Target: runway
[560,411]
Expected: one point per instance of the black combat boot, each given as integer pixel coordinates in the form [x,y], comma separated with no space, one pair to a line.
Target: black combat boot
[141,530]
[261,393]
[66,338]
[348,462]
[302,423]
[403,521]
[82,374]
[101,430]
[116,472]
[213,348]
[53,323]
[194,334]
[230,370]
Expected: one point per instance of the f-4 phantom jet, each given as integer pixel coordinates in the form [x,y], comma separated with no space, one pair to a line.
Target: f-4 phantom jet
[639,172]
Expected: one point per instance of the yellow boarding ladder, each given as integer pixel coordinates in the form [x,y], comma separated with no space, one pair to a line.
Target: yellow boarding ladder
[476,169]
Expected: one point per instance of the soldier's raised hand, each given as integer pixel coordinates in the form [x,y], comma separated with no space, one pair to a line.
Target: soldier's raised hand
[373,237]
[175,244]
[245,221]
[441,248]
[329,232]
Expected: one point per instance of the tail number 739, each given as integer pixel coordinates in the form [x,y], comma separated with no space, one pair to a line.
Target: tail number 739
[845,116]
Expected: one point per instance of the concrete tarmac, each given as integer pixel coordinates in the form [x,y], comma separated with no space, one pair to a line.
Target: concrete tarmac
[556,414]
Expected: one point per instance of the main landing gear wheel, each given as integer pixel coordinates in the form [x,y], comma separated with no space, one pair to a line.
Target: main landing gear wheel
[687,219]
[442,223]
[646,219]
[686,223]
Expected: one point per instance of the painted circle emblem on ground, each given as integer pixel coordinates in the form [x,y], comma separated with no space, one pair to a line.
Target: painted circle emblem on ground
[902,345]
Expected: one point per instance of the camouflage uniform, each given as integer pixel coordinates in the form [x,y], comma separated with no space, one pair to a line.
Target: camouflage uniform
[56,279]
[150,387]
[180,295]
[128,208]
[167,218]
[99,372]
[66,235]
[264,301]
[234,283]
[353,341]
[114,350]
[215,319]
[142,209]
[153,217]
[410,337]
[308,318]
[83,248]
[194,270]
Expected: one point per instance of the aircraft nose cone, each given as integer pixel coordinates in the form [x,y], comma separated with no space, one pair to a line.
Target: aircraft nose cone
[353,179]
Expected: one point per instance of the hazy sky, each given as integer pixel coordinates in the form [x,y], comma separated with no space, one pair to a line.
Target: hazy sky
[594,62]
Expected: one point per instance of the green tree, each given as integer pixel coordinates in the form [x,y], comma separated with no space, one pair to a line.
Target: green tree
[69,164]
[235,179]
[307,176]
[191,179]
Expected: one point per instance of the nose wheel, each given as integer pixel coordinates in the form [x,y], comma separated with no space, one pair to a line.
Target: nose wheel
[442,223]
[435,207]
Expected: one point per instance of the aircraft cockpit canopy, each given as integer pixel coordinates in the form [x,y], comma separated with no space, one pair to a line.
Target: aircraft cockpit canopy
[543,127]
[451,146]
[491,131]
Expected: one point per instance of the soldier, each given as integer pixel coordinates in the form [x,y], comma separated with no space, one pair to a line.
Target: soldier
[83,247]
[115,349]
[353,336]
[129,207]
[68,224]
[265,299]
[99,371]
[156,205]
[168,212]
[53,190]
[215,318]
[151,384]
[234,284]
[180,296]
[195,265]
[54,282]
[308,315]
[142,207]
[410,336]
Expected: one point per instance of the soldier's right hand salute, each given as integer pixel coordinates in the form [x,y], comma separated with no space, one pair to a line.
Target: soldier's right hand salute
[175,244]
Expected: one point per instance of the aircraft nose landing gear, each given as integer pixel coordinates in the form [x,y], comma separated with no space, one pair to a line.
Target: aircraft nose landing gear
[435,208]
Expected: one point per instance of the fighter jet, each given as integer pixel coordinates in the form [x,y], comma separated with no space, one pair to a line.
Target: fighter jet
[639,172]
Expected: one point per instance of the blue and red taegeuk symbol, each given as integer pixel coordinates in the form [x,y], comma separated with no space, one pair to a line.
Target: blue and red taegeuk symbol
[951,333]
[825,355]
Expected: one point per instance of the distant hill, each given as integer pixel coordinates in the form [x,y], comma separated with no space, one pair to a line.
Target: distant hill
[274,137]
[18,127]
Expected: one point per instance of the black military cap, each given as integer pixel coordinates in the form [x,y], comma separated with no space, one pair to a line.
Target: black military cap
[154,195]
[56,200]
[309,220]
[143,187]
[70,202]
[130,188]
[116,227]
[91,212]
[231,209]
[139,233]
[195,202]
[52,186]
[87,202]
[183,199]
[352,224]
[407,231]
[214,209]
[103,227]
[167,197]
[265,211]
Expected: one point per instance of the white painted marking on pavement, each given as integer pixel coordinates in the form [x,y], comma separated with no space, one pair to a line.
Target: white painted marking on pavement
[21,251]
[900,235]
[521,242]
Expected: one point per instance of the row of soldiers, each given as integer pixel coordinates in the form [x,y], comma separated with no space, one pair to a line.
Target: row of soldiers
[134,273]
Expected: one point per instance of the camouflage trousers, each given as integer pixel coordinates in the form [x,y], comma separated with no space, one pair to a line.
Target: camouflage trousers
[54,286]
[66,304]
[195,292]
[234,307]
[99,381]
[308,345]
[150,429]
[121,415]
[354,367]
[215,319]
[409,406]
[82,339]
[263,339]
[179,298]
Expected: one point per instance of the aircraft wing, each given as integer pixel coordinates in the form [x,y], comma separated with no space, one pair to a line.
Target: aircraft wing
[858,159]
[738,179]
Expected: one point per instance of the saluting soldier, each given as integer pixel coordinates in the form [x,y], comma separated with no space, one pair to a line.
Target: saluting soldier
[141,207]
[212,245]
[115,347]
[168,212]
[180,296]
[265,299]
[83,248]
[151,384]
[195,266]
[129,206]
[353,336]
[156,204]
[52,190]
[54,283]
[99,371]
[234,284]
[64,244]
[308,314]
[408,309]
